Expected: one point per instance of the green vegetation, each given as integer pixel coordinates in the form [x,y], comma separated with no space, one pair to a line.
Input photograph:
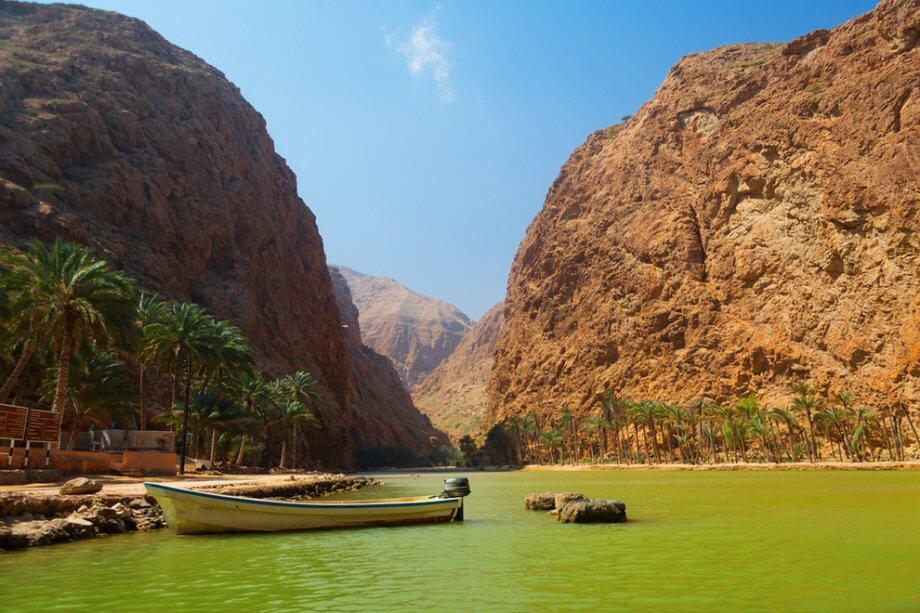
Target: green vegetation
[77,339]
[48,187]
[754,63]
[702,431]
[816,88]
[32,112]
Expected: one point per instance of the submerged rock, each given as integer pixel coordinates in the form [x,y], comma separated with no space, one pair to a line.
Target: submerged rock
[592,511]
[80,486]
[547,501]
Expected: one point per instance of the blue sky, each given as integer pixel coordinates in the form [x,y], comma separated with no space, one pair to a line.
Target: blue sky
[424,135]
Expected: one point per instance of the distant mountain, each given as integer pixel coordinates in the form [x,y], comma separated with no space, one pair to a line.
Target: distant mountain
[416,332]
[454,395]
[386,414]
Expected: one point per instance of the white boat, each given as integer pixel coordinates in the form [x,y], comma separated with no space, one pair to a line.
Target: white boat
[194,512]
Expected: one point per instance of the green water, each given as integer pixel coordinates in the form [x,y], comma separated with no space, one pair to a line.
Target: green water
[829,540]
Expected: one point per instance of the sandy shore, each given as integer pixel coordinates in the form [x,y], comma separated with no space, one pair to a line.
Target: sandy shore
[133,486]
[762,466]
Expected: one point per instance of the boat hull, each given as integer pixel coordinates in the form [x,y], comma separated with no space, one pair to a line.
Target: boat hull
[191,512]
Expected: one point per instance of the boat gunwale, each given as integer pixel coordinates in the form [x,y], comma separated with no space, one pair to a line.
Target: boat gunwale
[296,505]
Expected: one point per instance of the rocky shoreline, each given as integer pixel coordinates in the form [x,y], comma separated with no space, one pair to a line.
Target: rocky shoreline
[30,519]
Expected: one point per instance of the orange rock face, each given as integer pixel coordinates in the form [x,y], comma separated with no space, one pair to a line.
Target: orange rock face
[755,224]
[454,395]
[112,137]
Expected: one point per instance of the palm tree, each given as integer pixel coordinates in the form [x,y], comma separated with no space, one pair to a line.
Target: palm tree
[859,437]
[231,351]
[647,412]
[595,425]
[99,392]
[759,426]
[552,440]
[735,431]
[75,301]
[254,393]
[610,408]
[696,410]
[785,417]
[835,423]
[570,429]
[217,414]
[180,340]
[149,310]
[299,387]
[467,448]
[807,402]
[292,416]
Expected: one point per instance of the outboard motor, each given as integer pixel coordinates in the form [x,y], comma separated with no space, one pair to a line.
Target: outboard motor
[456,487]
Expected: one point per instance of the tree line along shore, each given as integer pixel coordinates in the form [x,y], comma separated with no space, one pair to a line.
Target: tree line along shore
[811,429]
[78,337]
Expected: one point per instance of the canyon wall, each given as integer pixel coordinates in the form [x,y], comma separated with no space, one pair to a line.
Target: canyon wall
[754,225]
[112,137]
[454,394]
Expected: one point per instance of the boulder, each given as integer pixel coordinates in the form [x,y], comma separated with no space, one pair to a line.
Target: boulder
[121,511]
[592,511]
[562,498]
[12,540]
[81,486]
[547,501]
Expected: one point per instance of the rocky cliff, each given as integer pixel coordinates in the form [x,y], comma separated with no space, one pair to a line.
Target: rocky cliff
[454,394]
[112,137]
[755,224]
[389,418]
[416,332]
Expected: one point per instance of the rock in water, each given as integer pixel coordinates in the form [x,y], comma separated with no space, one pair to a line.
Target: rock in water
[81,486]
[547,501]
[592,511]
[559,500]
[753,225]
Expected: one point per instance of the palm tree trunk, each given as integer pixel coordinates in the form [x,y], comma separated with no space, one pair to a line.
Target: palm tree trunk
[185,408]
[651,423]
[791,441]
[910,423]
[63,378]
[239,456]
[25,357]
[812,445]
[140,404]
[284,444]
[213,446]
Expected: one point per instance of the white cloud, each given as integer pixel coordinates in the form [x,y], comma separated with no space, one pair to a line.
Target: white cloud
[427,53]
